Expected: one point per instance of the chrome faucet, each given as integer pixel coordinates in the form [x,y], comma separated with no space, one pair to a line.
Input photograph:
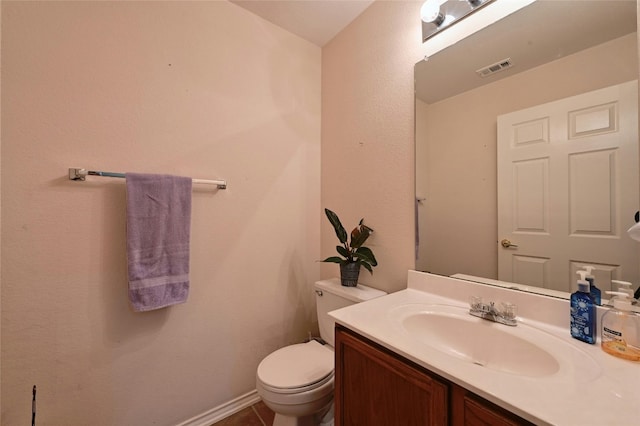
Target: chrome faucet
[506,315]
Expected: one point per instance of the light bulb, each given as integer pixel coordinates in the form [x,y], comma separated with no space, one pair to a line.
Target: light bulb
[430,11]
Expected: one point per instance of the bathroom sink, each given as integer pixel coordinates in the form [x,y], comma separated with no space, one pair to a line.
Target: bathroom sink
[522,350]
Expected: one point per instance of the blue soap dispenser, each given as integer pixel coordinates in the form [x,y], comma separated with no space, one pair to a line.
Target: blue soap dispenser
[583,312]
[594,291]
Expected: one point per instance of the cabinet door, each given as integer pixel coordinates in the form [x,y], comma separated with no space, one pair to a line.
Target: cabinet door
[375,388]
[470,410]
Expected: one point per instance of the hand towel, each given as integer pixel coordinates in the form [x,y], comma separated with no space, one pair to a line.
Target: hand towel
[158,234]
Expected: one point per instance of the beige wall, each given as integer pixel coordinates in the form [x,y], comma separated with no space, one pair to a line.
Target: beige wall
[367,135]
[202,89]
[460,172]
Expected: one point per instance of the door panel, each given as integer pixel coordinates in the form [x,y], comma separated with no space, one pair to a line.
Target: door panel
[568,189]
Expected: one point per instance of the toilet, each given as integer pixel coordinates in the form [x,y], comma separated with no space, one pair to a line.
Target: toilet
[296,381]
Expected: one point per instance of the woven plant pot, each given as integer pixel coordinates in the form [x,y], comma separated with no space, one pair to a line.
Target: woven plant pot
[349,273]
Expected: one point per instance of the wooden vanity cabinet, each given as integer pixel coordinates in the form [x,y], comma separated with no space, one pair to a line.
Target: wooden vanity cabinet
[468,409]
[376,387]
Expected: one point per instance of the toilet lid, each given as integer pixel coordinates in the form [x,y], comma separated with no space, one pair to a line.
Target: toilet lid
[296,366]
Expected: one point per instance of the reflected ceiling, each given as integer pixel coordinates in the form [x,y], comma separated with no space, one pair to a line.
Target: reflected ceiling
[557,29]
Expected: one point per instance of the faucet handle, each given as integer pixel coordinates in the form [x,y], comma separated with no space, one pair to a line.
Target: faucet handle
[509,310]
[476,303]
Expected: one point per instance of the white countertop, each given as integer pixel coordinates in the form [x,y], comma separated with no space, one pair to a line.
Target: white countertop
[607,394]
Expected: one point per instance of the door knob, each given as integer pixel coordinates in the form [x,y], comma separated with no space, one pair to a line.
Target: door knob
[507,244]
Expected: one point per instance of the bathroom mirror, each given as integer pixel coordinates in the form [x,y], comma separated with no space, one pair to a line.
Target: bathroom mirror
[546,54]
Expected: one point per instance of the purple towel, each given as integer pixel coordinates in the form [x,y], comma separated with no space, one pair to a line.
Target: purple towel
[158,225]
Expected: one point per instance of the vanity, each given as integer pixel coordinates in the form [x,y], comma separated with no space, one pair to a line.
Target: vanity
[400,392]
[417,357]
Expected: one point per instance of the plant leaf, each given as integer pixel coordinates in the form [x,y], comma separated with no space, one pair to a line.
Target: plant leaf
[343,251]
[334,259]
[359,235]
[364,259]
[335,221]
[366,254]
[367,267]
[362,256]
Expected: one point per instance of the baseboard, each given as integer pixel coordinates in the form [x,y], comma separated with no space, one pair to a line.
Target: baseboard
[223,411]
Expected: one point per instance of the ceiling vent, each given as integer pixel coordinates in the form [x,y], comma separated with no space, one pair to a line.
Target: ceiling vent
[494,68]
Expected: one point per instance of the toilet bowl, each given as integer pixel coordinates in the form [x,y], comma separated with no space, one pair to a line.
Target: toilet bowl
[297,381]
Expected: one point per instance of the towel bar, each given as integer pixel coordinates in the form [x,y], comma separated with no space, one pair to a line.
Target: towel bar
[81,174]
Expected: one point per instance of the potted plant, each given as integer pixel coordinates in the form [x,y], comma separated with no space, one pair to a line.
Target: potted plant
[353,254]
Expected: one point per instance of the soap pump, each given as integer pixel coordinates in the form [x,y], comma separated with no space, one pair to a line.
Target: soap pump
[621,329]
[594,291]
[583,312]
[623,287]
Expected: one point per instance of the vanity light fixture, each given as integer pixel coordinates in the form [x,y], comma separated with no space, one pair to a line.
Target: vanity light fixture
[440,14]
[430,12]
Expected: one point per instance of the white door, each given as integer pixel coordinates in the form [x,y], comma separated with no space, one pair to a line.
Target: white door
[568,189]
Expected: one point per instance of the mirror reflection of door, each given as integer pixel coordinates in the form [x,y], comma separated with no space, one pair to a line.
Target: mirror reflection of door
[561,201]
[456,108]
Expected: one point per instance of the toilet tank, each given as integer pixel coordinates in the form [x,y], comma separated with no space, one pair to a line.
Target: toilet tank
[331,295]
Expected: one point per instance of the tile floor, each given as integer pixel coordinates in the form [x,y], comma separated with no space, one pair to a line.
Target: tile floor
[256,415]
